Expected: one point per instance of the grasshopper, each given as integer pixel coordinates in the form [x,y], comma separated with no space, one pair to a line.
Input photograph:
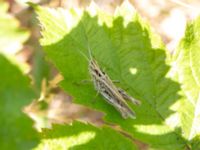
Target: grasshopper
[112,94]
[115,96]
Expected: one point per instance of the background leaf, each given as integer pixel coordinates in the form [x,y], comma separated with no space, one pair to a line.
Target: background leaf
[186,71]
[16,131]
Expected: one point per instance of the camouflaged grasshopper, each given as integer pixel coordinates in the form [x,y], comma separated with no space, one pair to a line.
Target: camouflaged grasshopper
[115,96]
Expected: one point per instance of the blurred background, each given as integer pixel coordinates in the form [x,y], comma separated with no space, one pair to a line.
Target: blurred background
[168,17]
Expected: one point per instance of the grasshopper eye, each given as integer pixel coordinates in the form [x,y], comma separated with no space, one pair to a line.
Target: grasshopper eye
[97,72]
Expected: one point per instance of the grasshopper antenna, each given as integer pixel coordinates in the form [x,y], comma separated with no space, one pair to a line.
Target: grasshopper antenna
[89,50]
[84,55]
[88,46]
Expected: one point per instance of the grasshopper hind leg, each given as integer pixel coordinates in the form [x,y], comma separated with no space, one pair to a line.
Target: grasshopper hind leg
[125,111]
[128,97]
[127,114]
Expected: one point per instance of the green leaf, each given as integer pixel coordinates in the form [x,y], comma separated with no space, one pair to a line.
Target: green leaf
[128,51]
[186,71]
[16,131]
[195,144]
[82,136]
[11,35]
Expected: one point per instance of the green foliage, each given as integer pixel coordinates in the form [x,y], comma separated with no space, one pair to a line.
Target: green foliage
[186,69]
[81,136]
[16,130]
[130,52]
